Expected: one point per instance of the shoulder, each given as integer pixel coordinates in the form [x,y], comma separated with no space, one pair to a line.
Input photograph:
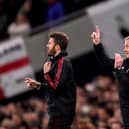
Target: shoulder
[67,62]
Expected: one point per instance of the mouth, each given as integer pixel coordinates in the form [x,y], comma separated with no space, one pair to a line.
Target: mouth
[126,53]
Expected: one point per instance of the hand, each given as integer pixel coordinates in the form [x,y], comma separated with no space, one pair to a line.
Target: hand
[118,61]
[47,67]
[32,83]
[96,36]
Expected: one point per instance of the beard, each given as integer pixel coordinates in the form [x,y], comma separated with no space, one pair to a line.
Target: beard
[51,52]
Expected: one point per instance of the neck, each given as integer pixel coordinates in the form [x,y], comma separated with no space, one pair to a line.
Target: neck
[57,53]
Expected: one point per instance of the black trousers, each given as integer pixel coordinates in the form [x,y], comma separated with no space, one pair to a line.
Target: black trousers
[124,106]
[60,122]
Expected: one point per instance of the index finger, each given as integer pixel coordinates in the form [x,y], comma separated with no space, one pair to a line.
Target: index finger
[97,29]
[28,78]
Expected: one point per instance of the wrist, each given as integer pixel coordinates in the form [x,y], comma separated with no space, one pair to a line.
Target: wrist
[38,85]
[97,42]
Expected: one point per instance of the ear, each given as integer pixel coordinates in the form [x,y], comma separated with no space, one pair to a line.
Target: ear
[57,47]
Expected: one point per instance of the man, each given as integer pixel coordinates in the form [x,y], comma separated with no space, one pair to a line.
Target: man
[121,67]
[60,88]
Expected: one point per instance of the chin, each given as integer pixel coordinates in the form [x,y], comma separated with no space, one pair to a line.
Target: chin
[127,56]
[49,54]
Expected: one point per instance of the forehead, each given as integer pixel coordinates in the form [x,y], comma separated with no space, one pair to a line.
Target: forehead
[127,42]
[51,40]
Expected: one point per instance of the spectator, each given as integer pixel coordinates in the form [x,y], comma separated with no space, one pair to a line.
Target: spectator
[20,26]
[116,125]
[2,128]
[3,20]
[55,10]
[102,124]
[44,121]
[7,123]
[27,6]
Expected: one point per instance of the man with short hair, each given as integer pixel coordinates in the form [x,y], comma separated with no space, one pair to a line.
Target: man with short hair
[60,88]
[121,68]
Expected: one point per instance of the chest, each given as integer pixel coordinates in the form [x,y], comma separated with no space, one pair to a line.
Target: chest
[53,69]
[122,75]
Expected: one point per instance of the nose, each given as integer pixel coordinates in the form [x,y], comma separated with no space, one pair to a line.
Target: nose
[47,45]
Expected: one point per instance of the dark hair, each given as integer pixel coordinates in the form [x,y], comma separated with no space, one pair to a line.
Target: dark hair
[127,38]
[60,38]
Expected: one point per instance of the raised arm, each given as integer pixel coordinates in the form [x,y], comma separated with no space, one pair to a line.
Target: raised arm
[104,60]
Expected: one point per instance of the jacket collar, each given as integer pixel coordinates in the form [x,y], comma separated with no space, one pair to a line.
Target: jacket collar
[61,54]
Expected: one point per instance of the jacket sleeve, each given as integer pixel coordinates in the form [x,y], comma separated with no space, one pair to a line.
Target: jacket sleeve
[62,74]
[104,60]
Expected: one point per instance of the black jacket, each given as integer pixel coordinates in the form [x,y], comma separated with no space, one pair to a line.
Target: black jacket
[61,88]
[122,74]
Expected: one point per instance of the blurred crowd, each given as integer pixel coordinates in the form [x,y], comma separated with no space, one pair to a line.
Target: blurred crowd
[97,102]
[97,108]
[20,16]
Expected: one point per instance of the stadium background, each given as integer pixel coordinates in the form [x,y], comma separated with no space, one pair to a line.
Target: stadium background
[23,53]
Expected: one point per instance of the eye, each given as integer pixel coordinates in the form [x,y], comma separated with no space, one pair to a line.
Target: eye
[49,43]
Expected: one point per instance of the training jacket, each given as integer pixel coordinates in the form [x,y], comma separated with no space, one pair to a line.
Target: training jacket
[61,88]
[122,75]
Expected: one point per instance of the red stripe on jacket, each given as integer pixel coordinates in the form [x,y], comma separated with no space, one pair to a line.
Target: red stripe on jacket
[55,84]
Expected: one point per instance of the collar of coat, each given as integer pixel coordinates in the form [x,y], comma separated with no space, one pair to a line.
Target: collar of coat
[61,54]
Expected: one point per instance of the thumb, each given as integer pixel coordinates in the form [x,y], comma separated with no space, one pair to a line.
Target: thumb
[117,55]
[49,63]
[93,35]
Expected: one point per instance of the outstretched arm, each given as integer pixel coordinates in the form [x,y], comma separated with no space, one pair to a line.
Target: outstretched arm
[31,83]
